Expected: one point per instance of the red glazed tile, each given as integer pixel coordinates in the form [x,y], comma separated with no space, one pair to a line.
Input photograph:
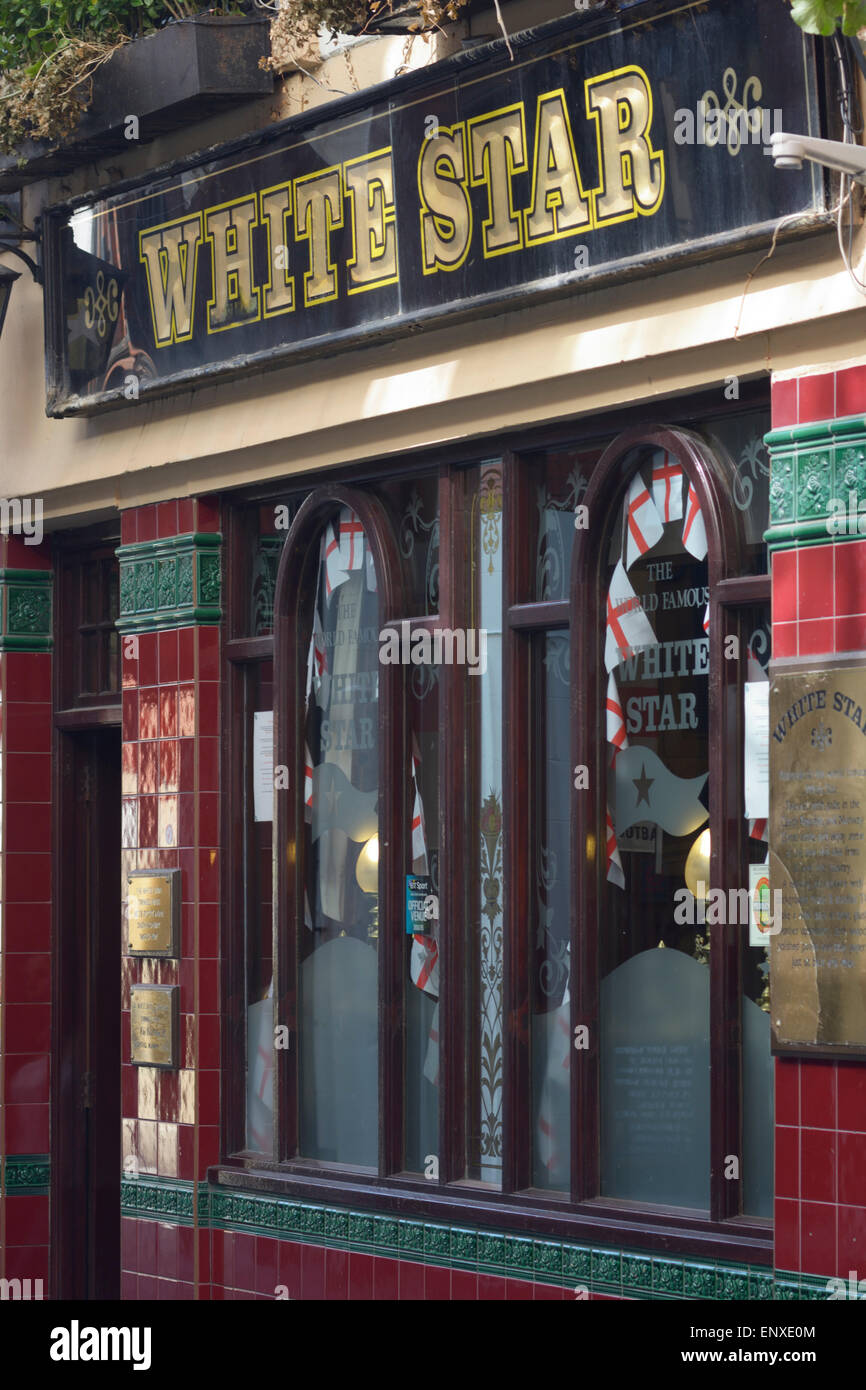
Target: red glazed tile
[336,1274]
[783,398]
[386,1279]
[851,634]
[129,526]
[437,1284]
[818,1165]
[186,820]
[167,656]
[26,1220]
[148,1288]
[267,1251]
[129,675]
[209,708]
[784,639]
[204,1258]
[186,640]
[464,1286]
[221,1246]
[209,819]
[28,677]
[168,713]
[185,516]
[129,1091]
[313,1273]
[815,583]
[28,828]
[27,1079]
[787,1160]
[147,1247]
[784,580]
[169,759]
[411,1282]
[851,1081]
[850,571]
[787,1091]
[208,876]
[148,768]
[209,1097]
[852,1240]
[818,1093]
[816,397]
[851,391]
[207,514]
[148,670]
[360,1277]
[208,931]
[786,1235]
[128,1243]
[28,778]
[209,1039]
[518,1289]
[148,821]
[852,1169]
[129,707]
[27,878]
[209,764]
[28,932]
[168,1096]
[186,711]
[186,767]
[21,555]
[186,1152]
[128,1287]
[208,653]
[129,768]
[28,1027]
[185,1292]
[166,1250]
[28,728]
[147,523]
[245,1261]
[28,981]
[818,1238]
[548,1293]
[208,1148]
[166,519]
[148,712]
[30,1262]
[816,637]
[289,1267]
[491,1286]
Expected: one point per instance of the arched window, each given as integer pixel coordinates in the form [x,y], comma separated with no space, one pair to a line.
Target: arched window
[661,946]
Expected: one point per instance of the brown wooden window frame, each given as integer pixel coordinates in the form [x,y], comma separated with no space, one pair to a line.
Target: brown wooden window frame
[582,1214]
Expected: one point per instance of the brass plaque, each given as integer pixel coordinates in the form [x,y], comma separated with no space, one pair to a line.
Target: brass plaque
[818,860]
[154,1025]
[153,896]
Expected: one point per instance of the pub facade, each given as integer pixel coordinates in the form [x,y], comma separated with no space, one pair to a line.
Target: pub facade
[433,625]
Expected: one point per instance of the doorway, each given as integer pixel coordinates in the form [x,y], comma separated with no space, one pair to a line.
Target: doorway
[86,1148]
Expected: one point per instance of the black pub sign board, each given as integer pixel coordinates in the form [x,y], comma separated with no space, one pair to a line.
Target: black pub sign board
[612,144]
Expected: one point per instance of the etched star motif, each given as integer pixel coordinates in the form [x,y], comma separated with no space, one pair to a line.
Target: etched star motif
[642,785]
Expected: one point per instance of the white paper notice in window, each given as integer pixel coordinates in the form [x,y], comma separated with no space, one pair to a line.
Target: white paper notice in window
[757,748]
[263,764]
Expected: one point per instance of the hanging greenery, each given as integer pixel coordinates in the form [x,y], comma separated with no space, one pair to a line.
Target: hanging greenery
[825,16]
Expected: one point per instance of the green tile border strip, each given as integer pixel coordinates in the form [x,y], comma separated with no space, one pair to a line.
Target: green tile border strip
[621,1273]
[812,466]
[25,610]
[174,582]
[27,1174]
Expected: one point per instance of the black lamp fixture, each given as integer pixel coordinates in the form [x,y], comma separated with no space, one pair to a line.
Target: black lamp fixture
[7,280]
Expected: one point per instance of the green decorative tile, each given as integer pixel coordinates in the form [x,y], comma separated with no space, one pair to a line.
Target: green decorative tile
[244,1211]
[668,1276]
[491,1249]
[850,474]
[361,1228]
[221,1206]
[386,1234]
[28,610]
[518,1253]
[576,1262]
[184,580]
[127,589]
[313,1220]
[336,1224]
[785,1291]
[781,488]
[464,1245]
[437,1241]
[145,586]
[814,1290]
[166,584]
[548,1257]
[637,1271]
[28,1173]
[208,579]
[760,1284]
[814,483]
[699,1281]
[731,1284]
[411,1236]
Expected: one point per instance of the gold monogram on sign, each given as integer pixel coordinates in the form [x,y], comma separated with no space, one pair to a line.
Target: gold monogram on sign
[736,120]
[100,308]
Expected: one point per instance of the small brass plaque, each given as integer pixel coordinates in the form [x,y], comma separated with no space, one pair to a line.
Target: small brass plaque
[154,1025]
[153,896]
[818,860]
